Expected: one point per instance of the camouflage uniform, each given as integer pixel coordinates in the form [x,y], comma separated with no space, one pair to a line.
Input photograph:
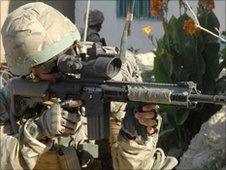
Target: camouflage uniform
[22,150]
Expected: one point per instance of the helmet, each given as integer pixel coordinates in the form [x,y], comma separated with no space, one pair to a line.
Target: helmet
[95,17]
[33,34]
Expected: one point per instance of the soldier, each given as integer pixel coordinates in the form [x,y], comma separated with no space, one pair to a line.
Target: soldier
[95,21]
[34,36]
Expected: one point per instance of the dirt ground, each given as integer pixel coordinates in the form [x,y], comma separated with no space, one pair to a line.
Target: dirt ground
[207,148]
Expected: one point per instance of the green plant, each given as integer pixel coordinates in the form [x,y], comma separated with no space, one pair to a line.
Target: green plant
[189,55]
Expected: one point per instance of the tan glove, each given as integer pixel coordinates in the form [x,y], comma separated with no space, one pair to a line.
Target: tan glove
[57,122]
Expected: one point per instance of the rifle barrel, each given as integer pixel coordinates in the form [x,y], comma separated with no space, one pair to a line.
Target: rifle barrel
[215,99]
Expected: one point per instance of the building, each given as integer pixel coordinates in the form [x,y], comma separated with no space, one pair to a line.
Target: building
[114,23]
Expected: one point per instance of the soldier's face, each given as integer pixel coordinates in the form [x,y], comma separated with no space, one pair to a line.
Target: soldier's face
[47,71]
[44,75]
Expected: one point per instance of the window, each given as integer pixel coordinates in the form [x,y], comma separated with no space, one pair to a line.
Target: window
[141,9]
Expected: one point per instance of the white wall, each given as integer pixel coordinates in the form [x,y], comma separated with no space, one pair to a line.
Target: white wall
[113,26]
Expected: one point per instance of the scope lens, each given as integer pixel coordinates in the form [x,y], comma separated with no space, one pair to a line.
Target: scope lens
[113,67]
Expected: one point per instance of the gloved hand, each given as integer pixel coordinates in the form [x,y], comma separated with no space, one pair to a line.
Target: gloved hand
[58,122]
[147,117]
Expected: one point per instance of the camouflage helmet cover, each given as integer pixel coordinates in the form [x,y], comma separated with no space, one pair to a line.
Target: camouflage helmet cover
[35,33]
[95,17]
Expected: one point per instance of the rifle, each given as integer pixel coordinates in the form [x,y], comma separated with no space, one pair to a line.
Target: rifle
[96,91]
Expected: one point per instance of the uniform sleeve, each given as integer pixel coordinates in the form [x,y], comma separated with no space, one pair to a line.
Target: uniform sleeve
[130,154]
[21,150]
